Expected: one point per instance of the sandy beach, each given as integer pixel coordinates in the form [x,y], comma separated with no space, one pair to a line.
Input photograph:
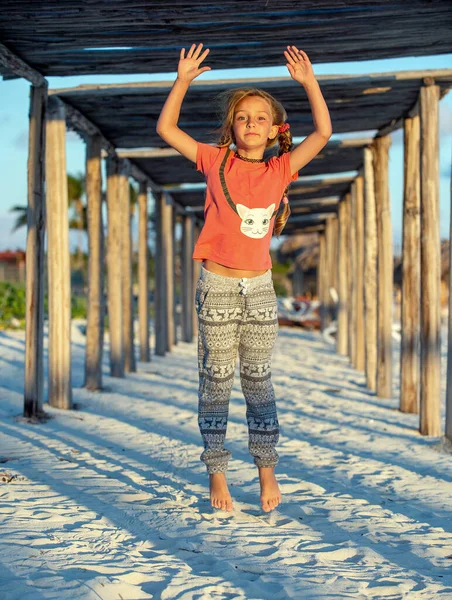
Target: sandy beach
[110,501]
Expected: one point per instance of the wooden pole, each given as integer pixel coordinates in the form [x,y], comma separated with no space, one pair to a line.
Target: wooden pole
[360,359]
[353,275]
[385,268]
[96,312]
[168,234]
[59,267]
[449,335]
[143,274]
[411,290]
[334,264]
[430,390]
[342,315]
[115,308]
[126,271]
[370,272]
[160,318]
[328,274]
[36,218]
[321,281]
[196,273]
[187,291]
[175,220]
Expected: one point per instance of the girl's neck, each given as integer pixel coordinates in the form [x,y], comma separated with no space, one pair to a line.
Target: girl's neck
[250,155]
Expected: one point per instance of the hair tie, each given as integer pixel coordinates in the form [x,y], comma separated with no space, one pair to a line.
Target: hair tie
[285,199]
[283,128]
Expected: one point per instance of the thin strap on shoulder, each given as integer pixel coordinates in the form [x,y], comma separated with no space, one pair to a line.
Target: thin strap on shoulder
[223,181]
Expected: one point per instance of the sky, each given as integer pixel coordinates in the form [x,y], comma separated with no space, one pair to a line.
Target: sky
[14,106]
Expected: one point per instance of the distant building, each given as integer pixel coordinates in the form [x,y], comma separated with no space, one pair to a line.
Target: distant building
[12,266]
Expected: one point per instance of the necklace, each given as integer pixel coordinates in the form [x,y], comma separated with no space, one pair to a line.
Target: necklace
[251,160]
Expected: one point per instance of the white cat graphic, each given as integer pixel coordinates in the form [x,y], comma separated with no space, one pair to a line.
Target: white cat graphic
[255,221]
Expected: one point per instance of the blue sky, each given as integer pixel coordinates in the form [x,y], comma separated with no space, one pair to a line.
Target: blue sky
[14,106]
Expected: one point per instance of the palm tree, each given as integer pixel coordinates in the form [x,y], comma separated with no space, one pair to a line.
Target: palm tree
[76,190]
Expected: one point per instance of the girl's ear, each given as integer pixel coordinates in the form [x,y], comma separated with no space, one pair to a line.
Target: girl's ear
[273,132]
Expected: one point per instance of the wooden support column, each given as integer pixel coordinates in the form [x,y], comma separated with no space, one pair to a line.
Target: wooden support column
[353,276]
[411,290]
[115,306]
[385,267]
[126,270]
[176,317]
[187,291]
[143,273]
[430,390]
[160,310]
[334,265]
[36,220]
[449,335]
[327,276]
[321,281]
[370,271]
[59,267]
[359,289]
[96,312]
[168,234]
[343,274]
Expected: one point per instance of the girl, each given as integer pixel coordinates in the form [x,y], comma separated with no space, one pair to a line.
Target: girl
[235,299]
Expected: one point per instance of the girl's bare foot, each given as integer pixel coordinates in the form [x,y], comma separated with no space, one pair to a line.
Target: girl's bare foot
[270,494]
[219,492]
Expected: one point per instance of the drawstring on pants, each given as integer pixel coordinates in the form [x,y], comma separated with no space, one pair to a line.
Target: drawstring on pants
[242,284]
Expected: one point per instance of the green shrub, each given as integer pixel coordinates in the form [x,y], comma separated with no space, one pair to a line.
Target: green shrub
[12,304]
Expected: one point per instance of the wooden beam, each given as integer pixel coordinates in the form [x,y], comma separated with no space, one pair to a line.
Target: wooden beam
[34,272]
[96,311]
[411,290]
[59,268]
[20,68]
[430,391]
[370,271]
[352,332]
[115,301]
[359,288]
[385,268]
[143,273]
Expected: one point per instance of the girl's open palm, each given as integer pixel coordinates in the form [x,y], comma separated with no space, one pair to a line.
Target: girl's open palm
[188,67]
[298,64]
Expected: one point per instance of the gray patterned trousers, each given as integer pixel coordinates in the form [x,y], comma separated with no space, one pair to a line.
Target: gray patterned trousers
[236,315]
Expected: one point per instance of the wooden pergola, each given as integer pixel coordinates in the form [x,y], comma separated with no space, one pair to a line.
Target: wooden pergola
[350,213]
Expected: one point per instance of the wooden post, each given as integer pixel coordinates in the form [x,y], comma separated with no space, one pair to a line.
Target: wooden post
[59,267]
[126,271]
[359,288]
[430,265]
[334,265]
[449,335]
[115,308]
[160,311]
[175,220]
[36,218]
[321,281]
[96,316]
[352,278]
[327,272]
[385,268]
[143,274]
[410,309]
[187,291]
[370,272]
[168,235]
[343,253]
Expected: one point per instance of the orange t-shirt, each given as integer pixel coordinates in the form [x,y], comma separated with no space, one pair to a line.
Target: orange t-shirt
[239,212]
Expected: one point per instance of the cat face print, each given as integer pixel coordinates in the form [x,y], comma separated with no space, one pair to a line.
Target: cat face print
[255,221]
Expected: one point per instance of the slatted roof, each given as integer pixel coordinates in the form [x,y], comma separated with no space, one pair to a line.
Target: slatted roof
[144,36]
[127,114]
[164,165]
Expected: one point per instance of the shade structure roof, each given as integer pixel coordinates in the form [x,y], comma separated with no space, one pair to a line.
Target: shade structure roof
[127,114]
[117,36]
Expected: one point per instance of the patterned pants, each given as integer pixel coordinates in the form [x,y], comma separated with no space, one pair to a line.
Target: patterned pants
[236,315]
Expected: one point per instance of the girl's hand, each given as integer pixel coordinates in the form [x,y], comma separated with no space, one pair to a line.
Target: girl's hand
[188,68]
[298,64]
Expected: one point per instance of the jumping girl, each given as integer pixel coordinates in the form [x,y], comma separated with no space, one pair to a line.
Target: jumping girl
[235,299]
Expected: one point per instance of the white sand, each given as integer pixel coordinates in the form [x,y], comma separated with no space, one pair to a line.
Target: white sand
[110,501]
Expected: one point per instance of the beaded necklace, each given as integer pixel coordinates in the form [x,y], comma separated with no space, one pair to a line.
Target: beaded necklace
[251,160]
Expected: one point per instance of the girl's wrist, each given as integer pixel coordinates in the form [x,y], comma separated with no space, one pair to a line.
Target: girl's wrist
[183,81]
[309,83]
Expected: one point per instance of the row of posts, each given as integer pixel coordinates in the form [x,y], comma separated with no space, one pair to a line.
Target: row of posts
[47,167]
[356,259]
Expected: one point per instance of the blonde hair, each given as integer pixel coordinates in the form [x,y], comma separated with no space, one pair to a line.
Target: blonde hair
[229,101]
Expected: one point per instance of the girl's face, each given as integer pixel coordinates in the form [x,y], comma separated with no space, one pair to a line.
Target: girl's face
[253,123]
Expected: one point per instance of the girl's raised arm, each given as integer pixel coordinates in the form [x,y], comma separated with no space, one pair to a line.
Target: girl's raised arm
[300,70]
[167,128]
